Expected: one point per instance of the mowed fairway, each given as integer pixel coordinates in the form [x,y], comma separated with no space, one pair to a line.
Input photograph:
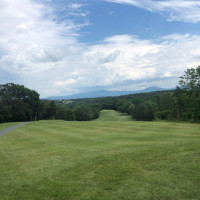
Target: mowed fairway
[112,160]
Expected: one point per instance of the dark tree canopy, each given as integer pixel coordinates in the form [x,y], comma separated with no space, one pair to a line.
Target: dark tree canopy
[18,103]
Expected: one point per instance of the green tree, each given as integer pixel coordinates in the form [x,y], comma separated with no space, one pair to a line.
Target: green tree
[165,106]
[62,112]
[86,113]
[18,103]
[143,112]
[51,110]
[191,79]
[188,96]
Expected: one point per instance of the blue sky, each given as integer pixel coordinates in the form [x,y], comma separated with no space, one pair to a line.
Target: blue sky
[62,47]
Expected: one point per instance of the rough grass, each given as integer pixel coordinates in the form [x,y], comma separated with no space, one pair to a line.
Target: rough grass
[6,125]
[101,160]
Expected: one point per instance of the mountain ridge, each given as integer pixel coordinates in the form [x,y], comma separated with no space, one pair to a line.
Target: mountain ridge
[104,93]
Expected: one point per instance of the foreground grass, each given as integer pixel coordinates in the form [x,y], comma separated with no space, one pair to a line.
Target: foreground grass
[98,160]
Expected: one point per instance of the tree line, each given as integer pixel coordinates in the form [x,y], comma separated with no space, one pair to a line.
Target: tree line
[59,110]
[18,103]
[181,104]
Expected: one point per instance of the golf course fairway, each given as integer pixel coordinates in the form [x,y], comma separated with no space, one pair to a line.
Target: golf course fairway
[103,159]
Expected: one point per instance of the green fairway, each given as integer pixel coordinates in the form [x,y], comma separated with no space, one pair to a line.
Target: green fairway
[111,115]
[101,160]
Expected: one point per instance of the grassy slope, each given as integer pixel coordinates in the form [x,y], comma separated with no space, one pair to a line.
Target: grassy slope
[57,160]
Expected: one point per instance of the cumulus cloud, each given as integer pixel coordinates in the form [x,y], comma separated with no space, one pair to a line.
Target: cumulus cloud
[32,42]
[138,59]
[45,55]
[175,10]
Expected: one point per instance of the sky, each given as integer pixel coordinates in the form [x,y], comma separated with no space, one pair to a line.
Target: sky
[64,47]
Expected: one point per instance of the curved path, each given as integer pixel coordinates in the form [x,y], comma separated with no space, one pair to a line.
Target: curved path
[9,129]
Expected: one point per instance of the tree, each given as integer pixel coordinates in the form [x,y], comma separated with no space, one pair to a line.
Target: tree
[62,112]
[51,110]
[166,101]
[18,103]
[143,112]
[190,94]
[86,113]
[191,79]
[47,109]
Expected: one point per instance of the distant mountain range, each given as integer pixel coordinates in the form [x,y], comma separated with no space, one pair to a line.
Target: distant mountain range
[104,93]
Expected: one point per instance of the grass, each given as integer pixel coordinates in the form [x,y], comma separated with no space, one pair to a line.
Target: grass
[111,115]
[6,125]
[101,160]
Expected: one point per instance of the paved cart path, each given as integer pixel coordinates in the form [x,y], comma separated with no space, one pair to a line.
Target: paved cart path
[9,129]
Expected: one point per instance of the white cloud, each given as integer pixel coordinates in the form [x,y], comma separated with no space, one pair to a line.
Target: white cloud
[75,6]
[32,44]
[74,10]
[65,83]
[140,60]
[176,10]
[46,56]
